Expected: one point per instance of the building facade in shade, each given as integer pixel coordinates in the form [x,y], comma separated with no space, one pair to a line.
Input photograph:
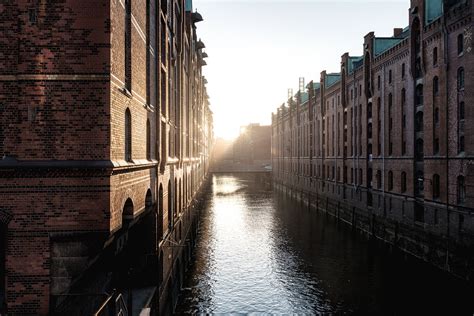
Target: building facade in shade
[105,134]
[384,144]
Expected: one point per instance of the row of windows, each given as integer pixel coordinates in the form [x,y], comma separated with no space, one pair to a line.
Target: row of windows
[330,172]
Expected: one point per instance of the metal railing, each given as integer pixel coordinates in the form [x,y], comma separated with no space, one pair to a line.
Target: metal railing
[114,305]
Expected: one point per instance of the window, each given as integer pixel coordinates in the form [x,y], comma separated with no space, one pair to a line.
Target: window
[419,95]
[128,45]
[390,76]
[378,83]
[403,71]
[461,144]
[461,78]
[435,56]
[390,180]
[436,146]
[404,182]
[419,122]
[128,135]
[379,179]
[148,140]
[461,110]
[461,190]
[436,191]
[419,213]
[435,86]
[436,116]
[460,44]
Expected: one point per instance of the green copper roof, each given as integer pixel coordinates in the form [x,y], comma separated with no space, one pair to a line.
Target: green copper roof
[354,62]
[382,44]
[332,79]
[304,97]
[189,5]
[316,86]
[433,10]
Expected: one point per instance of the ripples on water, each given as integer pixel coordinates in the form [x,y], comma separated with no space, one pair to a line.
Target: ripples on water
[260,253]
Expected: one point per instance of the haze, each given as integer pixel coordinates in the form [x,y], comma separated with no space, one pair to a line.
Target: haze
[259,49]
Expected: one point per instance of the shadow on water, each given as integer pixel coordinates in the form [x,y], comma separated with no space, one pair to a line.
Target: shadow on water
[261,252]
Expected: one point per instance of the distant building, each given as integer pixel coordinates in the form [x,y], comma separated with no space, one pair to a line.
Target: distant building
[384,144]
[253,144]
[250,152]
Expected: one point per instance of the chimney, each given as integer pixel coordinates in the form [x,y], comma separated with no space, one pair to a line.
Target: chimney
[397,32]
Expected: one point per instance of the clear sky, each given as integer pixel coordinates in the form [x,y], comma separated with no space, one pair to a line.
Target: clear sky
[258,49]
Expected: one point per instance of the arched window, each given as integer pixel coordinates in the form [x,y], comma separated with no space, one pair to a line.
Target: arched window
[403,71]
[390,180]
[461,110]
[404,182]
[460,44]
[419,121]
[436,186]
[419,154]
[404,97]
[128,135]
[436,116]
[461,144]
[435,86]
[461,190]
[148,140]
[148,199]
[435,56]
[390,76]
[379,179]
[419,95]
[461,78]
[127,213]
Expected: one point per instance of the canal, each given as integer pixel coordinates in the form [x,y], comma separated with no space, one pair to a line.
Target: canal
[259,252]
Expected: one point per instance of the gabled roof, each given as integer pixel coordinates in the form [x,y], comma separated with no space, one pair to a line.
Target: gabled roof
[354,63]
[332,79]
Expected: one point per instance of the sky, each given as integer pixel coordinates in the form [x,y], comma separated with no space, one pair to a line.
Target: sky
[258,49]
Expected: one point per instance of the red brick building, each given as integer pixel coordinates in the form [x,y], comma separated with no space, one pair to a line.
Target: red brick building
[105,134]
[383,144]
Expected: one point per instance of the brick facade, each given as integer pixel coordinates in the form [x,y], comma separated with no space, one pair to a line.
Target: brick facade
[381,144]
[82,200]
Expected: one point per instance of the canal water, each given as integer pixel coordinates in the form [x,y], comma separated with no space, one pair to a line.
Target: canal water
[259,252]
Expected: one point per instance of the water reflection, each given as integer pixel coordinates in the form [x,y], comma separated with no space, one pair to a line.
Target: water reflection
[259,252]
